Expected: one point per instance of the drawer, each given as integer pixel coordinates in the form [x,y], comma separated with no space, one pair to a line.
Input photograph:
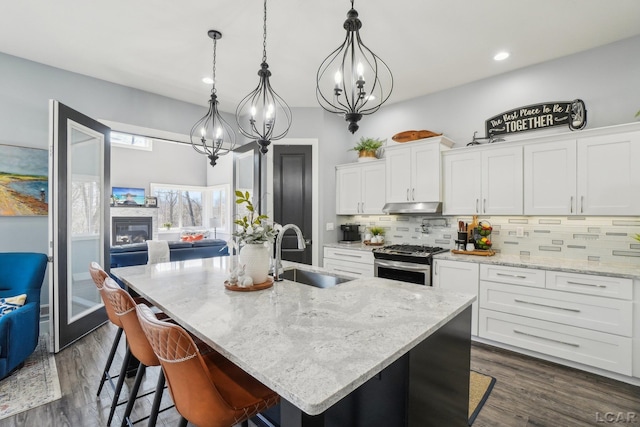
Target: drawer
[353,268]
[349,255]
[604,351]
[512,275]
[612,287]
[583,311]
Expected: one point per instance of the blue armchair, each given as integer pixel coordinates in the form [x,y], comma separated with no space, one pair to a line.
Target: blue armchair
[20,273]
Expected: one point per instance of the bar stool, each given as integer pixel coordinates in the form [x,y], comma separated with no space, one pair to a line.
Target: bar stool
[208,390]
[123,305]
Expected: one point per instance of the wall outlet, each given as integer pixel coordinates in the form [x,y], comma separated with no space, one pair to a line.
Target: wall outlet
[519,231]
[330,226]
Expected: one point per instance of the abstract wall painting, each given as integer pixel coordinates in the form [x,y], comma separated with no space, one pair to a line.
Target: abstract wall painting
[23,181]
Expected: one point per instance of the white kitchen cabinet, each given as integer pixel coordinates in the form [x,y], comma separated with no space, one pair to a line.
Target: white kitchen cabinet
[486,181]
[588,176]
[413,170]
[550,178]
[609,174]
[360,188]
[460,277]
[351,261]
[581,318]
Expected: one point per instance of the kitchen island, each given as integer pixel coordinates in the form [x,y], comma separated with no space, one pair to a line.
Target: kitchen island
[369,351]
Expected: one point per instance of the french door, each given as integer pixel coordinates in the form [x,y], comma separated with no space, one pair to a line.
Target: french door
[79,167]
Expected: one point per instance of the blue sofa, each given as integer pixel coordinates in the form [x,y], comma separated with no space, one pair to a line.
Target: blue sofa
[136,253]
[20,273]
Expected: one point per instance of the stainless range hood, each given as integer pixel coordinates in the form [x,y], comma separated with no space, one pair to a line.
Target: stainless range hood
[413,208]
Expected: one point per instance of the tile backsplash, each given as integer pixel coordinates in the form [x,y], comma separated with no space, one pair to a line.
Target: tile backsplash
[596,239]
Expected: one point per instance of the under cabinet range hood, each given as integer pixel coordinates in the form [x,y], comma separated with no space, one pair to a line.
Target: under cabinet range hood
[413,208]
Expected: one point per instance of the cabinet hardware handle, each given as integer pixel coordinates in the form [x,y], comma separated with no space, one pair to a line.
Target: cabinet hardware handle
[477,205]
[362,207]
[571,204]
[359,208]
[575,310]
[594,285]
[581,204]
[347,271]
[484,205]
[349,255]
[413,194]
[511,275]
[545,338]
[407,194]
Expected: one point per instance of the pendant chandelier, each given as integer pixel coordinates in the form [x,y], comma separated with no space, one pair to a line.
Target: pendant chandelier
[263,115]
[211,131]
[352,80]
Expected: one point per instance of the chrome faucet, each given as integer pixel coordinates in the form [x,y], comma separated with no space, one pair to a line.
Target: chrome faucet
[301,245]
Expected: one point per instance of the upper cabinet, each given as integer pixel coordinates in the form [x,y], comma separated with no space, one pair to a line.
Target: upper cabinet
[484,180]
[413,170]
[596,175]
[360,188]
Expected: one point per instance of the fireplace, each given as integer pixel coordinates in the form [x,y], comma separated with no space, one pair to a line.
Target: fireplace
[129,229]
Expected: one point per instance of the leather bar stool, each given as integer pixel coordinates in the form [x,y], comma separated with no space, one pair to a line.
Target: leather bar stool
[208,390]
[123,305]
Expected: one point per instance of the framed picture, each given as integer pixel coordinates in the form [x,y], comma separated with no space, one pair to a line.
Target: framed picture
[151,201]
[128,196]
[24,181]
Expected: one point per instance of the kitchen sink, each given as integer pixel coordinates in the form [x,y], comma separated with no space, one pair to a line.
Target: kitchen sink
[312,278]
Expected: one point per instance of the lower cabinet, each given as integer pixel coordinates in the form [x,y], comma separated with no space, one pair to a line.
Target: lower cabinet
[460,277]
[350,261]
[578,317]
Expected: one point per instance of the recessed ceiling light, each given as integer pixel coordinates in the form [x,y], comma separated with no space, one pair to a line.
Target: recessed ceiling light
[207,80]
[501,56]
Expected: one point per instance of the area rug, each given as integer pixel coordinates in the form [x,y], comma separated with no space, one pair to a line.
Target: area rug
[480,387]
[35,384]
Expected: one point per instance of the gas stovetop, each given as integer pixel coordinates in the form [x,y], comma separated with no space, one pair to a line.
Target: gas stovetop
[420,254]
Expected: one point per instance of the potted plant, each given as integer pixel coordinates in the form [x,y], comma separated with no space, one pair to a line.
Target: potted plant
[367,148]
[167,225]
[378,234]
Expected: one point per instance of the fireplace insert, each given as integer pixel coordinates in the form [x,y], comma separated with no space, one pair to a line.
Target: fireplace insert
[131,230]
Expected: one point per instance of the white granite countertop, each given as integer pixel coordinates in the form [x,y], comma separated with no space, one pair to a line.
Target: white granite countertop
[312,346]
[557,264]
[358,246]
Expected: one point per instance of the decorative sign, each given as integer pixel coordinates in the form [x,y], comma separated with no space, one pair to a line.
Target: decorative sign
[539,116]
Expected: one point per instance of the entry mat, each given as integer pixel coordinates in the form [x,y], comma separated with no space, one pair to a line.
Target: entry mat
[480,386]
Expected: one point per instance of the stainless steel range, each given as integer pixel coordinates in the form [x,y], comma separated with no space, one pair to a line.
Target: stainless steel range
[408,263]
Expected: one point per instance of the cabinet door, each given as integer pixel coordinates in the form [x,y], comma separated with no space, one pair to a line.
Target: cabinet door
[461,277]
[348,188]
[550,178]
[398,174]
[425,173]
[609,174]
[502,181]
[461,173]
[373,188]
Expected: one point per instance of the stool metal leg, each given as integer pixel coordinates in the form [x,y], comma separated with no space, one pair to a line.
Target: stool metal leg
[153,415]
[183,422]
[133,394]
[107,366]
[116,394]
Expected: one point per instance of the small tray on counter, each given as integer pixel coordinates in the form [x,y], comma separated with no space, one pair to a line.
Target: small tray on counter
[479,252]
[258,287]
[368,243]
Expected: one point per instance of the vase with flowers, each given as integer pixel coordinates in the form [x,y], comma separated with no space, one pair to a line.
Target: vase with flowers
[255,236]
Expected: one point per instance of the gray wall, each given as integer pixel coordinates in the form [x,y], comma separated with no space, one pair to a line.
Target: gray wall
[605,78]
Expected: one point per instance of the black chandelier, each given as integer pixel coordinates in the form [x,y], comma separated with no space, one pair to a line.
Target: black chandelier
[353,80]
[209,133]
[263,115]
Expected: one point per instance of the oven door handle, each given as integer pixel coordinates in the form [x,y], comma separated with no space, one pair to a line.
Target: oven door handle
[402,265]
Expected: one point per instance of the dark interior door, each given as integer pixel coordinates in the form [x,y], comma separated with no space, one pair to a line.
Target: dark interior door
[292,192]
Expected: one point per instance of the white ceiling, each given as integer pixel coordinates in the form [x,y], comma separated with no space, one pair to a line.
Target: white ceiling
[161,46]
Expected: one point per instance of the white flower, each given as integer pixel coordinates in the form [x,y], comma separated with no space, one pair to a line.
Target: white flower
[277,227]
[249,230]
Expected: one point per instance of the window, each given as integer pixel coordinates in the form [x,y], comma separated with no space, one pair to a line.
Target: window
[85,205]
[187,206]
[131,141]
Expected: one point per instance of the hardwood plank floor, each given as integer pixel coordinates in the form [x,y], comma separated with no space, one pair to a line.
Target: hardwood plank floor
[528,393]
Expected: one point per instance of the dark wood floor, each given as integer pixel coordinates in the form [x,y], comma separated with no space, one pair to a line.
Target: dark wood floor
[528,392]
